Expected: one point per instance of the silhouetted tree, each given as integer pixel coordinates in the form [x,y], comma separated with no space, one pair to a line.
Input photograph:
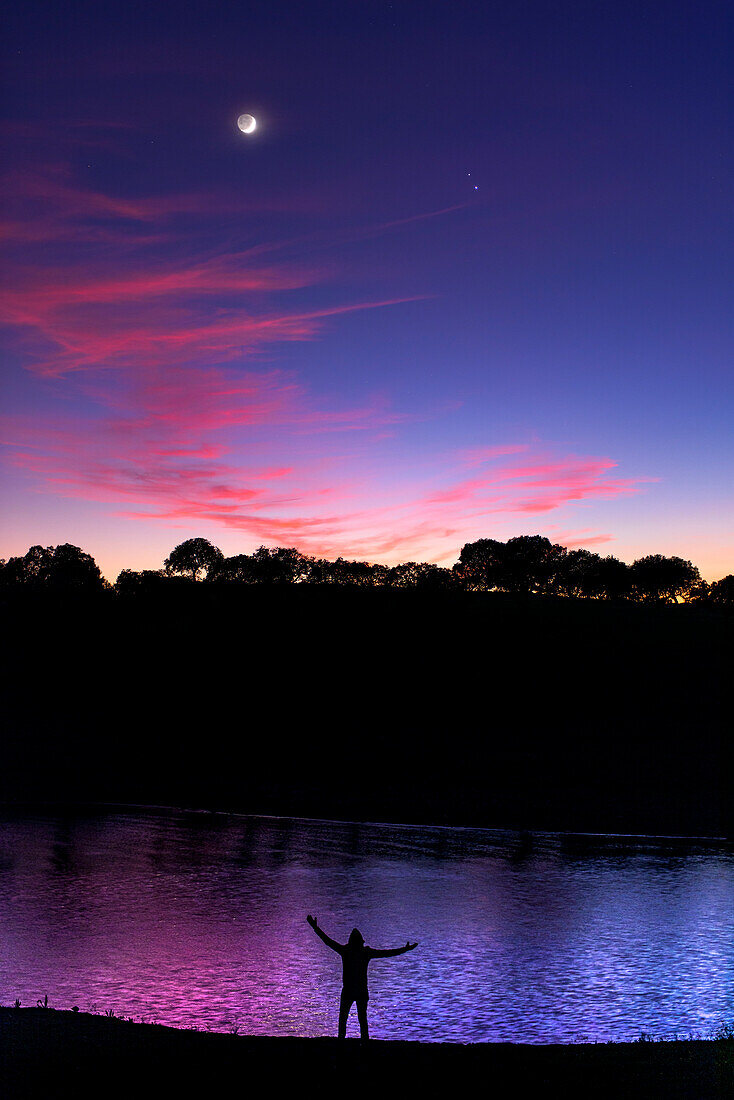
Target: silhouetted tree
[572,572]
[11,572]
[321,572]
[31,568]
[534,563]
[481,565]
[239,569]
[193,556]
[663,579]
[721,593]
[63,567]
[423,575]
[130,580]
[283,565]
[528,563]
[363,574]
[606,578]
[699,592]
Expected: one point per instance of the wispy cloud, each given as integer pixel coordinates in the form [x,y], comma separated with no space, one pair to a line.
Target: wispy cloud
[111,302]
[163,452]
[173,420]
[49,203]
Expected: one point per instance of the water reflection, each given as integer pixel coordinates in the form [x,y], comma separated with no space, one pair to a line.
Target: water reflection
[199,920]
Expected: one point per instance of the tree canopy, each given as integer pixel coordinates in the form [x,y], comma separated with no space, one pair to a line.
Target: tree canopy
[63,567]
[722,592]
[662,579]
[194,556]
[528,565]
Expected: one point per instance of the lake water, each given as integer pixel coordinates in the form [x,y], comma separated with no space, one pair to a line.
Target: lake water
[198,919]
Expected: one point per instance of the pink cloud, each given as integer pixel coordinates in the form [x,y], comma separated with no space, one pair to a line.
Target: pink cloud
[536,488]
[574,540]
[136,455]
[173,424]
[162,317]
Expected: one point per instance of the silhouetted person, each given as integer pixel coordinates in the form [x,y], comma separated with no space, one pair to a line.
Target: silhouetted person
[355,959]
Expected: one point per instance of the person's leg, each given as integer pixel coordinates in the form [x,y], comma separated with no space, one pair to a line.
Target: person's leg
[362,1016]
[345,1005]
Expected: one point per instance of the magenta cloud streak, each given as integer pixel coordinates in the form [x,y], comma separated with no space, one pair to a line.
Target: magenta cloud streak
[173,419]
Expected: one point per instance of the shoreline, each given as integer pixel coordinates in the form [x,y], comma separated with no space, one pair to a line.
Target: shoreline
[85,805]
[85,1055]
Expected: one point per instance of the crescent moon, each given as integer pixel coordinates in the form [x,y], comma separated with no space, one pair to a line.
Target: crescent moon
[246,123]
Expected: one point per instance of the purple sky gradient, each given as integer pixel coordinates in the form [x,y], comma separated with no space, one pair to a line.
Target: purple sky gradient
[470,277]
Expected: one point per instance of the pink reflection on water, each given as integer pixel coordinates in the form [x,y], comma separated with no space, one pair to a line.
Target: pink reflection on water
[199,921]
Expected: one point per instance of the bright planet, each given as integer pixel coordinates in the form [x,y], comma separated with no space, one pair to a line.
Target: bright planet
[246,123]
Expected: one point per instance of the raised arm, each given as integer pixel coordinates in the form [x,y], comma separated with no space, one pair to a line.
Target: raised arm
[322,935]
[376,954]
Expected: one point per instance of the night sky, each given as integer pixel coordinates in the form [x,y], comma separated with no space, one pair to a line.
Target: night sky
[470,277]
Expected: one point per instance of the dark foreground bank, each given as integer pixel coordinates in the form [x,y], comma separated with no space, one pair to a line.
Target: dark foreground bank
[43,1052]
[444,708]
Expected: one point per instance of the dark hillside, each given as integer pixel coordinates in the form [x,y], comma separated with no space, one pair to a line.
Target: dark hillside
[374,703]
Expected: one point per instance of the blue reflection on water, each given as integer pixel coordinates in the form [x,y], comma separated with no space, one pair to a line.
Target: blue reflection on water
[199,920]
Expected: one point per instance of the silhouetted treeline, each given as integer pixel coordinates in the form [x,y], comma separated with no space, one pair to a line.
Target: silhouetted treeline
[64,567]
[529,565]
[372,703]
